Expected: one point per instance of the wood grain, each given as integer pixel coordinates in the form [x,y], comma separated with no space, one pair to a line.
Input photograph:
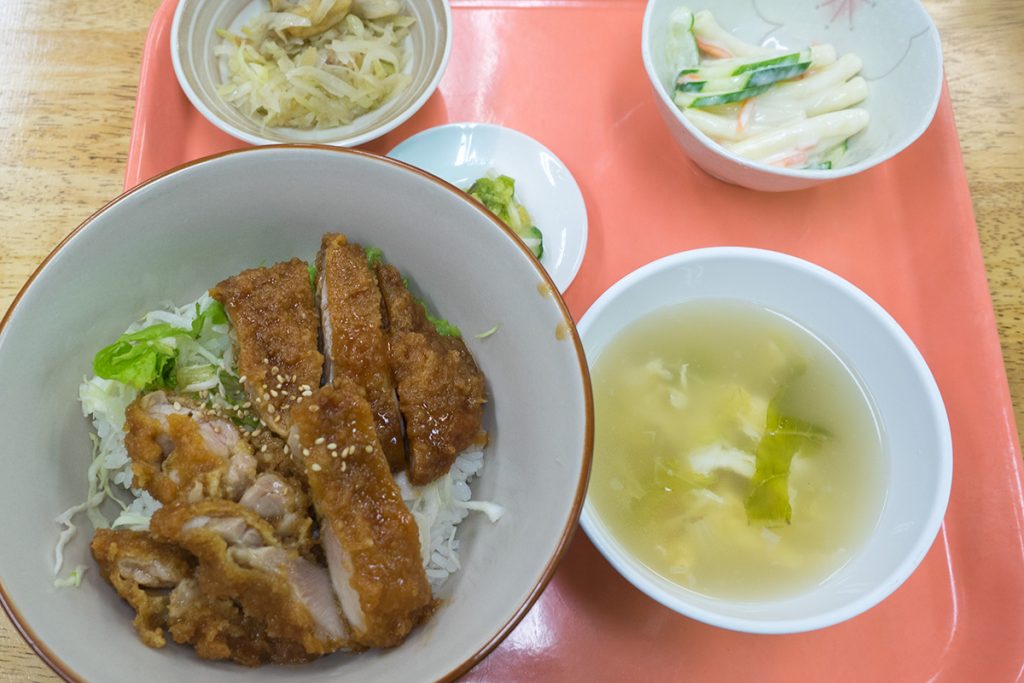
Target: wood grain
[70,71]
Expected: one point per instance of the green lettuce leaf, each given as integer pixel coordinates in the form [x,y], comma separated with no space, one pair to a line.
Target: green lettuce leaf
[443,327]
[143,360]
[374,256]
[140,363]
[214,313]
[312,276]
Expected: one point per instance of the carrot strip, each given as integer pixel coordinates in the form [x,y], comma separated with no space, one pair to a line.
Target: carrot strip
[713,50]
[743,118]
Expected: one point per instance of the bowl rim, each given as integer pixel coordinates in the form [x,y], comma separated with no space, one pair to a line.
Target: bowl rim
[564,541]
[939,496]
[802,174]
[349,141]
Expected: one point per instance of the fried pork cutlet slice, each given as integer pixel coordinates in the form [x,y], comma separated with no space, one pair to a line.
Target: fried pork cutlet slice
[368,534]
[218,629]
[141,569]
[441,391]
[276,326]
[180,450]
[282,502]
[353,335]
[241,560]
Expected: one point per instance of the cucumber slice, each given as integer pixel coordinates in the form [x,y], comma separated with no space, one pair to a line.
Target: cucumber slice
[691,82]
[726,97]
[688,85]
[831,158]
[774,74]
[534,240]
[681,50]
[791,58]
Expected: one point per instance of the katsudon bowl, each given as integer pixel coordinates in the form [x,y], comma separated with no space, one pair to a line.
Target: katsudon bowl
[174,237]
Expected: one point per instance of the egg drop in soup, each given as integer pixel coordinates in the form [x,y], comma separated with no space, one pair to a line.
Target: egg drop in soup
[736,455]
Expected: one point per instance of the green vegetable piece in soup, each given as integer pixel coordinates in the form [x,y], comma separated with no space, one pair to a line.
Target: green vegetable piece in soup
[784,437]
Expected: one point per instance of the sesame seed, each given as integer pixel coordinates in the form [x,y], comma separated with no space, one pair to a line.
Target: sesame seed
[271,409]
[216,430]
[313,408]
[265,361]
[273,393]
[177,405]
[280,379]
[319,440]
[266,397]
[298,400]
[263,448]
[307,393]
[305,451]
[287,449]
[241,380]
[334,454]
[344,465]
[274,370]
[368,449]
[257,431]
[332,446]
[315,467]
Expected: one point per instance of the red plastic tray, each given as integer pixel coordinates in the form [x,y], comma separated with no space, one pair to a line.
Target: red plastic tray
[569,74]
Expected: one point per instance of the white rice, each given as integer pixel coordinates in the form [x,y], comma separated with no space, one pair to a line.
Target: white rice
[438,507]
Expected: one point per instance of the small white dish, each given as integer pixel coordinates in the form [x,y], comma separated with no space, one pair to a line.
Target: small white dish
[916,440]
[200,72]
[896,39]
[462,152]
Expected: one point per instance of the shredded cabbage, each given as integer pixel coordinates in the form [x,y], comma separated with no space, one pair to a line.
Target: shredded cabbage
[204,364]
[321,81]
[72,580]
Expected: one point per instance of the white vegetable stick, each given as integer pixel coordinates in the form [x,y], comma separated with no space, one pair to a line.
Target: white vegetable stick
[845,68]
[804,136]
[715,126]
[823,55]
[724,128]
[707,30]
[838,97]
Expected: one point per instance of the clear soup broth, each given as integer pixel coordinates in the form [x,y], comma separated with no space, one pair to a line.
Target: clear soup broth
[736,455]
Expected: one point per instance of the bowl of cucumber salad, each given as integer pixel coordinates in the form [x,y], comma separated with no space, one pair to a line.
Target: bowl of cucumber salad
[783,95]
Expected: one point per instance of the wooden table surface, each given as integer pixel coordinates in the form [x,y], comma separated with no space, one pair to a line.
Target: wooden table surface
[69,70]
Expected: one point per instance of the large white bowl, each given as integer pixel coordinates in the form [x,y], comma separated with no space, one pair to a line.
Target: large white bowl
[902,65]
[175,236]
[915,431]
